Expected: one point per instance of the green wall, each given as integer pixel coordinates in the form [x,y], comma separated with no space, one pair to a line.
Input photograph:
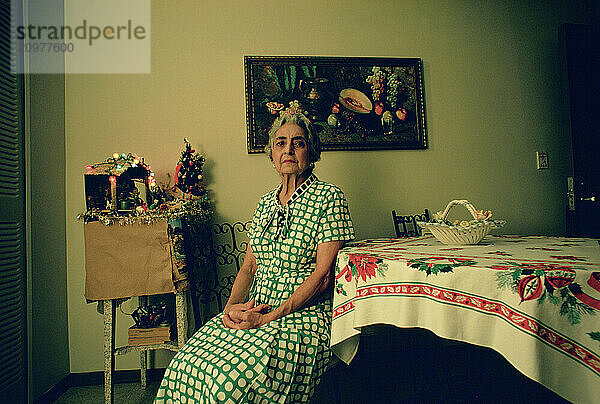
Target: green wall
[49,341]
[492,100]
[48,274]
[45,120]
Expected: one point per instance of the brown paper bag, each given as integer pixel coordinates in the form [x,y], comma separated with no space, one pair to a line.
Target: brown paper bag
[124,261]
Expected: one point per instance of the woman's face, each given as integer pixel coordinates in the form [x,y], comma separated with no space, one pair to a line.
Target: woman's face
[290,149]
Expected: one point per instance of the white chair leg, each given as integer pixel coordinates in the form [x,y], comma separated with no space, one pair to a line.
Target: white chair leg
[143,301]
[143,368]
[181,314]
[109,349]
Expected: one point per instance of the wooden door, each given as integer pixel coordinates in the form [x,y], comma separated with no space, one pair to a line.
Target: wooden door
[581,73]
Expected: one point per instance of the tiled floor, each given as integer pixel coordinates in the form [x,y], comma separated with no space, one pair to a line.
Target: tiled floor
[128,393]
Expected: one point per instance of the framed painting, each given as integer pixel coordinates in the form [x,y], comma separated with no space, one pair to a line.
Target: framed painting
[355,103]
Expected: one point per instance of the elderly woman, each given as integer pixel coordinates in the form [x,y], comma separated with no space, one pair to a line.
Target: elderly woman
[271,343]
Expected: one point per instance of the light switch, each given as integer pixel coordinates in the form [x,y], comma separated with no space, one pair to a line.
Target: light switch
[542,160]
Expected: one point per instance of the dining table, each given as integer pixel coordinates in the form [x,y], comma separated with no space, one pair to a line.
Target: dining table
[533,299]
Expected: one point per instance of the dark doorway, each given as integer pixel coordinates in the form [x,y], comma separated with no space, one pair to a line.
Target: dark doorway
[581,73]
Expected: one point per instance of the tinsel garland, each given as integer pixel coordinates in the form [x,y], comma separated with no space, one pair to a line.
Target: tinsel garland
[195,211]
[118,163]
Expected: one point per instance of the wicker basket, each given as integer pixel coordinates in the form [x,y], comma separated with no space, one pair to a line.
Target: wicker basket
[461,235]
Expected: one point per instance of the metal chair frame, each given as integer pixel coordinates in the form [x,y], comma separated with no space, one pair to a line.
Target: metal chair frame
[401,222]
[216,251]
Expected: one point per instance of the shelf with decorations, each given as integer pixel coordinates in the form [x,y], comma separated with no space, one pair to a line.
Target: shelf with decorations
[122,189]
[134,231]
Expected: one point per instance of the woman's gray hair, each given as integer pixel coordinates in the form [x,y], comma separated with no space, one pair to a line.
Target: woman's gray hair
[312,139]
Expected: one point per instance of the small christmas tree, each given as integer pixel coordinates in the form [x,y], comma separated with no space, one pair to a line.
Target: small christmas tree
[188,173]
[188,178]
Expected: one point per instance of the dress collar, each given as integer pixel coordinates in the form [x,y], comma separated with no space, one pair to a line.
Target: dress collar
[281,213]
[299,191]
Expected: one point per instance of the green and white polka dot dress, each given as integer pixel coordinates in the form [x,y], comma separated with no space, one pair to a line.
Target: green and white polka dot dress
[282,361]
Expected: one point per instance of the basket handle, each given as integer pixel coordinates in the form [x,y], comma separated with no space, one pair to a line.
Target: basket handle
[462,202]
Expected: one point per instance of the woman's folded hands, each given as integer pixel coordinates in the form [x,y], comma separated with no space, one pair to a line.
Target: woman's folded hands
[243,316]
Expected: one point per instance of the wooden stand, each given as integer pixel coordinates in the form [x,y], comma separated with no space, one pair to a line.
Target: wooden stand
[109,342]
[118,261]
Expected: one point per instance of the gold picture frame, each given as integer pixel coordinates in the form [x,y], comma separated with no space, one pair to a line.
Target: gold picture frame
[355,103]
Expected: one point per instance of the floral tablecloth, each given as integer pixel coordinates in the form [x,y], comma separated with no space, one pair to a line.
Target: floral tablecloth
[534,299]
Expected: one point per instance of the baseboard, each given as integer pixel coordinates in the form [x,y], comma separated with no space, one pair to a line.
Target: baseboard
[55,391]
[95,378]
[119,376]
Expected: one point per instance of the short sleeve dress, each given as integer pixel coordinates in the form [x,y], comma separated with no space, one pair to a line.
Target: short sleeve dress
[282,361]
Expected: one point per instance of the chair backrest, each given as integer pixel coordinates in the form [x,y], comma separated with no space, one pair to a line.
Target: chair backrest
[406,225]
[217,251]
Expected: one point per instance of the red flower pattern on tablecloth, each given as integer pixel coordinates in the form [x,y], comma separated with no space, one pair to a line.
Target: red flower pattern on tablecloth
[360,266]
[365,265]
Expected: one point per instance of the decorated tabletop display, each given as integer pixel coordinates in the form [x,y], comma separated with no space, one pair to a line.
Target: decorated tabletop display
[122,189]
[461,232]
